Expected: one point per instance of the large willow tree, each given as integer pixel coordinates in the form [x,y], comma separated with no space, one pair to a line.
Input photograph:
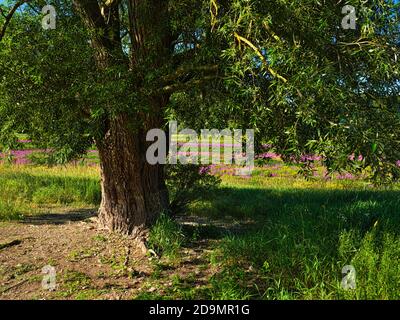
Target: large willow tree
[112,70]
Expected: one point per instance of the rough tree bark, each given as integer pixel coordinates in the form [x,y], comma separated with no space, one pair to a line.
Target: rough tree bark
[133,192]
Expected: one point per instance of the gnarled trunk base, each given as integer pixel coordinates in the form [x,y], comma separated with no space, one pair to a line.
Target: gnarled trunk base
[133,191]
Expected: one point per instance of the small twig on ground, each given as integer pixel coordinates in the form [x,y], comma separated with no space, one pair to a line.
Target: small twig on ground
[14,285]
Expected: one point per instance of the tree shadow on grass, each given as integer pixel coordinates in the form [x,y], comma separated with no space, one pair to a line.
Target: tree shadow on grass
[263,205]
[60,218]
[302,238]
[197,228]
[293,217]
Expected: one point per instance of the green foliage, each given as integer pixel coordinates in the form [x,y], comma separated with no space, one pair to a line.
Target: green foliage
[50,70]
[52,194]
[376,261]
[74,282]
[166,236]
[229,285]
[9,211]
[285,68]
[187,184]
[339,95]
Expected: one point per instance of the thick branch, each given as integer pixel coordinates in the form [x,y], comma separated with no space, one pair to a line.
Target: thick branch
[103,24]
[187,71]
[188,85]
[188,77]
[111,3]
[90,10]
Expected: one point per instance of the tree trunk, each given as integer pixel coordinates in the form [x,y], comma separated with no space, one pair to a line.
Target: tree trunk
[133,191]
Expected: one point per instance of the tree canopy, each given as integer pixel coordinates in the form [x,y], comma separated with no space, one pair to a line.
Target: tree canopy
[286,68]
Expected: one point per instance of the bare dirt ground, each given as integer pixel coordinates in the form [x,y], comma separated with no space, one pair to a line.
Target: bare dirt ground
[92,264]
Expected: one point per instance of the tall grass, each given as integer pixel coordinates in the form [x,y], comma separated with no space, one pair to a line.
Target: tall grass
[166,236]
[301,238]
[25,189]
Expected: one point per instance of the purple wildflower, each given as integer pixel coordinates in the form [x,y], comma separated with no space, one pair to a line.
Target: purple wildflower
[21,156]
[205,144]
[352,157]
[267,155]
[346,176]
[205,170]
[310,157]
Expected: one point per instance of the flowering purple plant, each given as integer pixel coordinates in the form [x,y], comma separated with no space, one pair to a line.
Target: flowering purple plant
[18,156]
[267,155]
[352,157]
[310,157]
[205,170]
[346,176]
[205,144]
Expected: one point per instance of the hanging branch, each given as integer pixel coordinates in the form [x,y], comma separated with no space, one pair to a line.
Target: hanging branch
[260,55]
[9,16]
[214,13]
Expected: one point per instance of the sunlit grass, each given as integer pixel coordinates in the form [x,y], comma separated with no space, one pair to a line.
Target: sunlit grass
[298,235]
[30,189]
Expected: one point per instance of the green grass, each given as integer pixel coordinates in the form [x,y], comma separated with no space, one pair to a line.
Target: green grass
[166,236]
[302,237]
[28,189]
[77,284]
[297,235]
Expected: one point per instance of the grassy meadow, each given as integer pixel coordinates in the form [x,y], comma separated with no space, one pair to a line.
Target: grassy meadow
[29,190]
[272,236]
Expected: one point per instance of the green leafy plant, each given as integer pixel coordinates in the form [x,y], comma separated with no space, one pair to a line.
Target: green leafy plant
[166,236]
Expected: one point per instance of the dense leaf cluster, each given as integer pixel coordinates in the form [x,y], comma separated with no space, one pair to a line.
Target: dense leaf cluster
[286,68]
